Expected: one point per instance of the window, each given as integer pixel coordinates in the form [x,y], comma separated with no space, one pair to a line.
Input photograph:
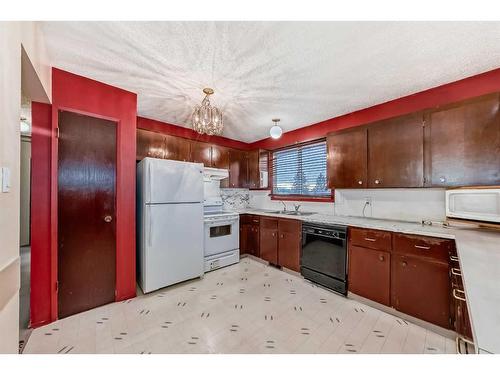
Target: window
[300,171]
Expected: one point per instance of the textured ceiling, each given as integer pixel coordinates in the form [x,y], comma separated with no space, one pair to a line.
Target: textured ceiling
[302,72]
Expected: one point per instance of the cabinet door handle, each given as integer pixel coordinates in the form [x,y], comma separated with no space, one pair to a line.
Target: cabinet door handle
[456,296]
[404,263]
[453,258]
[456,272]
[423,247]
[282,236]
[274,234]
[360,182]
[381,258]
[377,182]
[370,239]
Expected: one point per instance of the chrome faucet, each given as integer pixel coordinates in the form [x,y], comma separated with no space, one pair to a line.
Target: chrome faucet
[296,206]
[284,205]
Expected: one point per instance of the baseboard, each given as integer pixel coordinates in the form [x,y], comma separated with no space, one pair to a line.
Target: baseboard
[10,281]
[422,323]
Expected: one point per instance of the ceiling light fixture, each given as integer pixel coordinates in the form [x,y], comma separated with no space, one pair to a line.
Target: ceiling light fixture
[275,131]
[207,119]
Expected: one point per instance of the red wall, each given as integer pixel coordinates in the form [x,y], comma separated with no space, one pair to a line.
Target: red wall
[40,293]
[477,85]
[79,94]
[166,128]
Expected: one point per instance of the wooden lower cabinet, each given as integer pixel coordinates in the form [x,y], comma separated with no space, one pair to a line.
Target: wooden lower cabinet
[407,272]
[250,235]
[458,303]
[421,288]
[269,239]
[370,273]
[289,243]
[276,240]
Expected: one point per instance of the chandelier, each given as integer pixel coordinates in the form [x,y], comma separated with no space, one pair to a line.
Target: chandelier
[207,119]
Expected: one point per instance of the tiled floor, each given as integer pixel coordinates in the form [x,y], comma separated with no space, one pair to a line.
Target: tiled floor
[244,308]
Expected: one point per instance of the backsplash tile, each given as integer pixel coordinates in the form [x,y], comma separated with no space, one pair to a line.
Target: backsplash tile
[235,199]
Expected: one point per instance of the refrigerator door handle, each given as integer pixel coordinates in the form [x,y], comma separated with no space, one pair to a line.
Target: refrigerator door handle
[150,184]
[150,226]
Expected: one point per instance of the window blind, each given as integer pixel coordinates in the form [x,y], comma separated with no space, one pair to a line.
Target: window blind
[301,170]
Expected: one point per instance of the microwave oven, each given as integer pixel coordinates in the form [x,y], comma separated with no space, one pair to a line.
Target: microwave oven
[474,204]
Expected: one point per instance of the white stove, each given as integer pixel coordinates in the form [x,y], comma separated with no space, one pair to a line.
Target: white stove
[222,234]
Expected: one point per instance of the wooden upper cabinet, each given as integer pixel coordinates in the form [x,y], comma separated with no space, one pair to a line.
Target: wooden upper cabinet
[238,168]
[396,152]
[463,143]
[176,148]
[347,159]
[201,152]
[220,157]
[253,169]
[258,164]
[150,144]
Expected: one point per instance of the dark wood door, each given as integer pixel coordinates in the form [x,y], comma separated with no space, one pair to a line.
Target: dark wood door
[253,169]
[421,288]
[396,152]
[238,169]
[244,234]
[201,152]
[150,144]
[370,273]
[253,246]
[269,239]
[176,148]
[347,159]
[289,243]
[86,213]
[463,143]
[220,157]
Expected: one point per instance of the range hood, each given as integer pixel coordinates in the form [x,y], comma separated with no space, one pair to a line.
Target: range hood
[215,174]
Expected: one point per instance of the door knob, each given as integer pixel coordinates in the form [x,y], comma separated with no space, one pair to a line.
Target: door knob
[360,182]
[442,179]
[381,258]
[404,264]
[377,182]
[108,219]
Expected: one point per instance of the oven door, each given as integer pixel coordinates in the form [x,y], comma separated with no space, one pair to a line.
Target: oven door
[221,236]
[325,255]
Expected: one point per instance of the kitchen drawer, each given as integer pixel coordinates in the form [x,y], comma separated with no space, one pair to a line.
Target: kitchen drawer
[249,219]
[290,226]
[370,238]
[429,247]
[268,223]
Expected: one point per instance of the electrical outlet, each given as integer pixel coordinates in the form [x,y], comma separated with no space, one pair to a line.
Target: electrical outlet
[368,201]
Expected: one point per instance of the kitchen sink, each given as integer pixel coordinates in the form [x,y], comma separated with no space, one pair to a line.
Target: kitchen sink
[291,213]
[298,213]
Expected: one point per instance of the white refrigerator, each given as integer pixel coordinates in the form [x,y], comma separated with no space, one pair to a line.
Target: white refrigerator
[169,222]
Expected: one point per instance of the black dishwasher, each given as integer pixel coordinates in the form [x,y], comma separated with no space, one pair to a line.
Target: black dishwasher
[324,255]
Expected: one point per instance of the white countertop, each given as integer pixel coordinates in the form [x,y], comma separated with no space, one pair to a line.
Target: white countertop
[479,254]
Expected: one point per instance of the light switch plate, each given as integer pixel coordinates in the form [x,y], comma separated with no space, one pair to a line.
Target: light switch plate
[6,180]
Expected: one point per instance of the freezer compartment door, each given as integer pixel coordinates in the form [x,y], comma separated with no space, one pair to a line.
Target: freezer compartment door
[172,245]
[171,181]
